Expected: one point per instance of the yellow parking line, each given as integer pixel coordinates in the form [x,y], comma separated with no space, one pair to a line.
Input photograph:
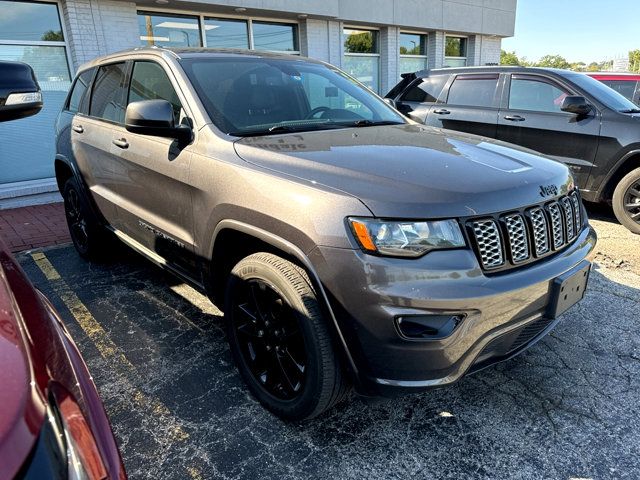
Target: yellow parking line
[109,350]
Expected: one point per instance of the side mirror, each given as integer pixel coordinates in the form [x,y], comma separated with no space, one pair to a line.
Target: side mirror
[20,94]
[390,102]
[575,104]
[155,117]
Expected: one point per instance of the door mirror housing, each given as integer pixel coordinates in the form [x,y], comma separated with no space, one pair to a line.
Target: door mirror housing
[155,117]
[391,102]
[20,94]
[576,104]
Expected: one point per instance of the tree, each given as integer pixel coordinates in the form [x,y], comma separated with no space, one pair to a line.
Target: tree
[509,58]
[359,43]
[634,60]
[553,61]
[51,36]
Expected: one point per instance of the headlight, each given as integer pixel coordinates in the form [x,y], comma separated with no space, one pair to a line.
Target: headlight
[403,238]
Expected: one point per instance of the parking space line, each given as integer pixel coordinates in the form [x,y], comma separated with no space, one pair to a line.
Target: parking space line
[109,350]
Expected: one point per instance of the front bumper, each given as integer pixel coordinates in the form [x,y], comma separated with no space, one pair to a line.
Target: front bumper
[503,313]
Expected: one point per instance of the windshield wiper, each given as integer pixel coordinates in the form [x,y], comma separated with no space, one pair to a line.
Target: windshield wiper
[631,110]
[370,123]
[284,128]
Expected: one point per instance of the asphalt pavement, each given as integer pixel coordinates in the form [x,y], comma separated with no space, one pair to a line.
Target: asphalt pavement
[568,408]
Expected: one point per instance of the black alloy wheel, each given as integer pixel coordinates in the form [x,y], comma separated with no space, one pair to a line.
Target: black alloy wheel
[270,339]
[626,201]
[76,220]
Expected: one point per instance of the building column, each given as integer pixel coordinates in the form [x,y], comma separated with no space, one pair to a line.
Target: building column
[322,40]
[389,58]
[435,50]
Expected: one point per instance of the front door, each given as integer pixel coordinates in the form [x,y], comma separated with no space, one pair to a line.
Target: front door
[532,118]
[156,208]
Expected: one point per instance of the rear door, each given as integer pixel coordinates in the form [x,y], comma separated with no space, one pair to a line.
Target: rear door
[416,101]
[91,138]
[156,208]
[471,105]
[532,118]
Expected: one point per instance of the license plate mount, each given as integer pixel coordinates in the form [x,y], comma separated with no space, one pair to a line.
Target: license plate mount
[568,289]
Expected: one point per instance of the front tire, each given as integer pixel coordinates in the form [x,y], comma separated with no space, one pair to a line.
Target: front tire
[626,201]
[279,339]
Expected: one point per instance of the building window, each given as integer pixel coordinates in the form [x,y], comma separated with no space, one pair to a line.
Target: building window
[169,30]
[226,33]
[31,32]
[413,52]
[362,56]
[280,37]
[455,52]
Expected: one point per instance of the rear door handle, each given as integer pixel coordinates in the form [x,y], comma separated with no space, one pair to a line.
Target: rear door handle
[442,111]
[121,143]
[78,128]
[514,118]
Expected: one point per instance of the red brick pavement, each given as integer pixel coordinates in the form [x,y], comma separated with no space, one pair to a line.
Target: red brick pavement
[32,227]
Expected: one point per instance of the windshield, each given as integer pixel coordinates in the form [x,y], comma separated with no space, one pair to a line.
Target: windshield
[600,91]
[258,96]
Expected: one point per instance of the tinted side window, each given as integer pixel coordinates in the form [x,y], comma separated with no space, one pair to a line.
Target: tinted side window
[78,99]
[150,82]
[473,90]
[107,96]
[536,94]
[426,90]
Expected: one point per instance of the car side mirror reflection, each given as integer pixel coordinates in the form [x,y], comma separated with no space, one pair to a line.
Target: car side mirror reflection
[155,117]
[576,104]
[20,94]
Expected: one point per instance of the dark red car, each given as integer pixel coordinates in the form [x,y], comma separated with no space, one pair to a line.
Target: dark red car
[627,84]
[52,422]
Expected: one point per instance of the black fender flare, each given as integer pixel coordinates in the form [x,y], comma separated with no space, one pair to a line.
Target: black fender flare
[291,249]
[614,170]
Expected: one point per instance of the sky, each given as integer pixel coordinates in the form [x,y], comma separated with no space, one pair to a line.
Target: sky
[579,30]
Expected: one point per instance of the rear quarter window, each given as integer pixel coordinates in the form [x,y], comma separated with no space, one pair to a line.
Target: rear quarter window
[79,98]
[426,90]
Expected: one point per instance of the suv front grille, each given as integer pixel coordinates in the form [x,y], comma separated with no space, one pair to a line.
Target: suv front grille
[511,239]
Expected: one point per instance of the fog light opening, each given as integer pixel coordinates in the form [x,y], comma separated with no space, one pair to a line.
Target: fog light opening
[427,327]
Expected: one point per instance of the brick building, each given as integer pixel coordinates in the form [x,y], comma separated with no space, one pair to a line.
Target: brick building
[374,40]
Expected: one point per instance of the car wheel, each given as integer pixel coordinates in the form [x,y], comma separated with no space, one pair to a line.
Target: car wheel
[89,238]
[626,201]
[279,338]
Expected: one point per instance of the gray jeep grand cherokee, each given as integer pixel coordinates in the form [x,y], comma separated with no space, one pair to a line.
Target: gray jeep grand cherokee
[346,245]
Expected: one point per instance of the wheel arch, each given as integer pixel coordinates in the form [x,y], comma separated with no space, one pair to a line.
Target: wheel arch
[628,162]
[234,240]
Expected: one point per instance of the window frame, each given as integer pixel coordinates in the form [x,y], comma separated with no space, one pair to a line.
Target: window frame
[222,16]
[466,52]
[177,16]
[88,91]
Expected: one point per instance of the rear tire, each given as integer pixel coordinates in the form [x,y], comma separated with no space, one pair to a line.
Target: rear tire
[279,338]
[626,201]
[91,240]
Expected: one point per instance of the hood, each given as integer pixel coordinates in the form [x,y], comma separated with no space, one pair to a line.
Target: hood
[412,171]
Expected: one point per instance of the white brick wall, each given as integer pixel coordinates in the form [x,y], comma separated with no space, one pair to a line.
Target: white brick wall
[389,58]
[435,49]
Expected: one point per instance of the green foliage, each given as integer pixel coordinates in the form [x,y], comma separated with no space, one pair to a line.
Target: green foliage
[553,61]
[359,43]
[634,60]
[454,47]
[509,58]
[51,36]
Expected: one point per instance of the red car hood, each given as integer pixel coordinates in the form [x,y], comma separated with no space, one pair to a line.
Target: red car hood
[21,407]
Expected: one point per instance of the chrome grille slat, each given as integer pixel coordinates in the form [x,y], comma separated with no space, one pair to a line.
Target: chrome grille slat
[517,240]
[489,243]
[540,232]
[557,230]
[528,233]
[568,217]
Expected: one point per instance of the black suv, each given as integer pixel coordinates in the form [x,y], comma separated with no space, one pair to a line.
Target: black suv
[567,115]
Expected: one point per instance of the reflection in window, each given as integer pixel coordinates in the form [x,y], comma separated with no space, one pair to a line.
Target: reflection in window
[150,82]
[281,37]
[226,33]
[455,52]
[106,96]
[362,60]
[29,21]
[413,52]
[535,95]
[473,90]
[168,30]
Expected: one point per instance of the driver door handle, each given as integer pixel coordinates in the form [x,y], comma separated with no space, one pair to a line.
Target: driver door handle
[442,111]
[78,128]
[121,143]
[514,118]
